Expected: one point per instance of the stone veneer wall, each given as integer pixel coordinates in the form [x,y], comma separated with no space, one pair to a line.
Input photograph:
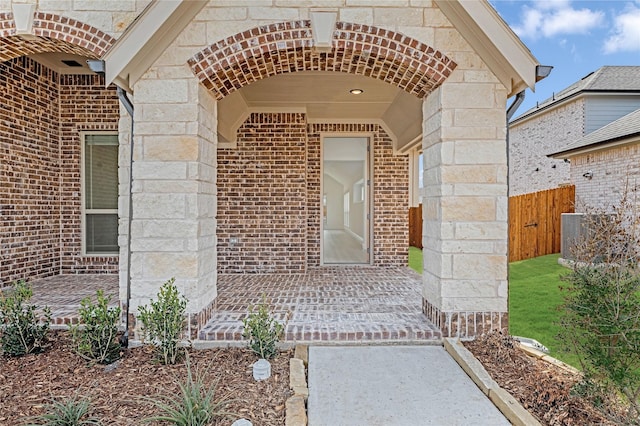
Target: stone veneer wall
[40,181]
[612,170]
[269,195]
[531,141]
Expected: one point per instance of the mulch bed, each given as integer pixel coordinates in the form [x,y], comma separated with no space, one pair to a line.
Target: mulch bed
[542,388]
[117,394]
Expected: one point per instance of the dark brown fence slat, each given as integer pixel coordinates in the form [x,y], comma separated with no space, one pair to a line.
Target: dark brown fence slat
[534,222]
[415,226]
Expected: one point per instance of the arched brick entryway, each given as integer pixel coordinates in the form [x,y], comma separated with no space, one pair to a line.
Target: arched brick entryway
[258,53]
[55,34]
[43,115]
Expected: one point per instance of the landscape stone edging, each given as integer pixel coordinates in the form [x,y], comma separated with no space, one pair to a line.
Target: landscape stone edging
[295,406]
[502,399]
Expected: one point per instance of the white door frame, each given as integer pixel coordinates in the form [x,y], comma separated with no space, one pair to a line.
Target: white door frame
[369,191]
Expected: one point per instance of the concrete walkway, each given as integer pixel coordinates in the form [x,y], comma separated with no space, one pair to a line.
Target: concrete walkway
[393,386]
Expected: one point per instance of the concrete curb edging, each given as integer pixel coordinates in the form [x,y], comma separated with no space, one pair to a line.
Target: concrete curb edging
[502,399]
[295,406]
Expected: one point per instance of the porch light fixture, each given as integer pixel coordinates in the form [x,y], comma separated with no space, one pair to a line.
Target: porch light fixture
[356,91]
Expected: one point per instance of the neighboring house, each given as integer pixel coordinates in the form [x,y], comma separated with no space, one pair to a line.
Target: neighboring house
[234,109]
[589,104]
[605,163]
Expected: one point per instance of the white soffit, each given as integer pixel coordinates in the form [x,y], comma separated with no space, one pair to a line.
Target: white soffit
[147,38]
[498,46]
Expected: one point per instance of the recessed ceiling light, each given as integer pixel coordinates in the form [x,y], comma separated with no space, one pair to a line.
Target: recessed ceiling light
[356,91]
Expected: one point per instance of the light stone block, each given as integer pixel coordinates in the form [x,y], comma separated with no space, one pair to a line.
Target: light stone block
[162,128]
[435,229]
[193,35]
[223,14]
[165,265]
[181,72]
[220,30]
[469,174]
[156,244]
[440,265]
[481,230]
[480,189]
[171,148]
[159,206]
[392,17]
[162,91]
[122,20]
[461,133]
[431,286]
[309,3]
[421,3]
[471,289]
[471,304]
[468,209]
[450,40]
[168,187]
[454,247]
[467,95]
[168,228]
[45,5]
[479,266]
[480,76]
[111,5]
[423,34]
[480,152]
[380,3]
[241,3]
[101,20]
[159,170]
[269,13]
[166,112]
[479,117]
[357,14]
[435,18]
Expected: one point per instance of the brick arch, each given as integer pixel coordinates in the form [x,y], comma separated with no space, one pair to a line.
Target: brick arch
[55,34]
[261,52]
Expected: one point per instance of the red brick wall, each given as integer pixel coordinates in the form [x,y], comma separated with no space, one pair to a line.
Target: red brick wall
[262,196]
[40,182]
[269,196]
[29,170]
[85,105]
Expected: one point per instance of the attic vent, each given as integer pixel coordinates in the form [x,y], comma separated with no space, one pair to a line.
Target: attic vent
[71,63]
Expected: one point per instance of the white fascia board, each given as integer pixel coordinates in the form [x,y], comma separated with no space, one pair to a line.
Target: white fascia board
[147,38]
[498,46]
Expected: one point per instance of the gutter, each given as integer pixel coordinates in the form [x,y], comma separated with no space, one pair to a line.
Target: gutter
[126,102]
[98,66]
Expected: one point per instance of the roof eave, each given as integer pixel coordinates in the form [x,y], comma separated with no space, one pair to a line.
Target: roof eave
[596,146]
[500,48]
[146,38]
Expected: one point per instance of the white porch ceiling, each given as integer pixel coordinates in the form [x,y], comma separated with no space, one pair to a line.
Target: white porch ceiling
[325,97]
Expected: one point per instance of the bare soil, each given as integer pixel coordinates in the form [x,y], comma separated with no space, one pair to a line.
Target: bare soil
[117,392]
[542,388]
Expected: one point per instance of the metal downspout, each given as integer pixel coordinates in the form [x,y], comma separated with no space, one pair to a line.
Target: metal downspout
[126,102]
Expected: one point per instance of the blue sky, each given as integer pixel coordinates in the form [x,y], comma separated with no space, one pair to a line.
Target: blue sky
[576,37]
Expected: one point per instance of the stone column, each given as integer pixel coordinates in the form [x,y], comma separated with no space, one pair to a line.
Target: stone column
[465,206]
[174,190]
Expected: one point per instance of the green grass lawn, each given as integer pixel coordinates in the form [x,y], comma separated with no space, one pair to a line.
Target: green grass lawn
[534,297]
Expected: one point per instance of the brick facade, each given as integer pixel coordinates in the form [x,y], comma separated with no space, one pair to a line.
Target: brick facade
[40,182]
[285,47]
[613,170]
[530,170]
[269,196]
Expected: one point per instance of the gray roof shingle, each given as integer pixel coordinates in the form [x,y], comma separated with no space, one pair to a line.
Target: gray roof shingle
[624,127]
[604,79]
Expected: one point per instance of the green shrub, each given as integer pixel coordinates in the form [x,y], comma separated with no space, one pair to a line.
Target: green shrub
[67,412]
[195,405]
[95,337]
[23,332]
[164,322]
[600,319]
[263,331]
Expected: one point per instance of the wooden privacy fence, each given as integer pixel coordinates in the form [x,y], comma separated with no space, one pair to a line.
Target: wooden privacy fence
[415,226]
[534,222]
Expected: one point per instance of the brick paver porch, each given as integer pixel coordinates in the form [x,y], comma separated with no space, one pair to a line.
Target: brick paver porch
[326,304]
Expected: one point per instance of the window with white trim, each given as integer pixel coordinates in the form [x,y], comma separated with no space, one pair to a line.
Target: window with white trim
[100,193]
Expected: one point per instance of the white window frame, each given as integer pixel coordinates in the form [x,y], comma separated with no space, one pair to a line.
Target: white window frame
[83,197]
